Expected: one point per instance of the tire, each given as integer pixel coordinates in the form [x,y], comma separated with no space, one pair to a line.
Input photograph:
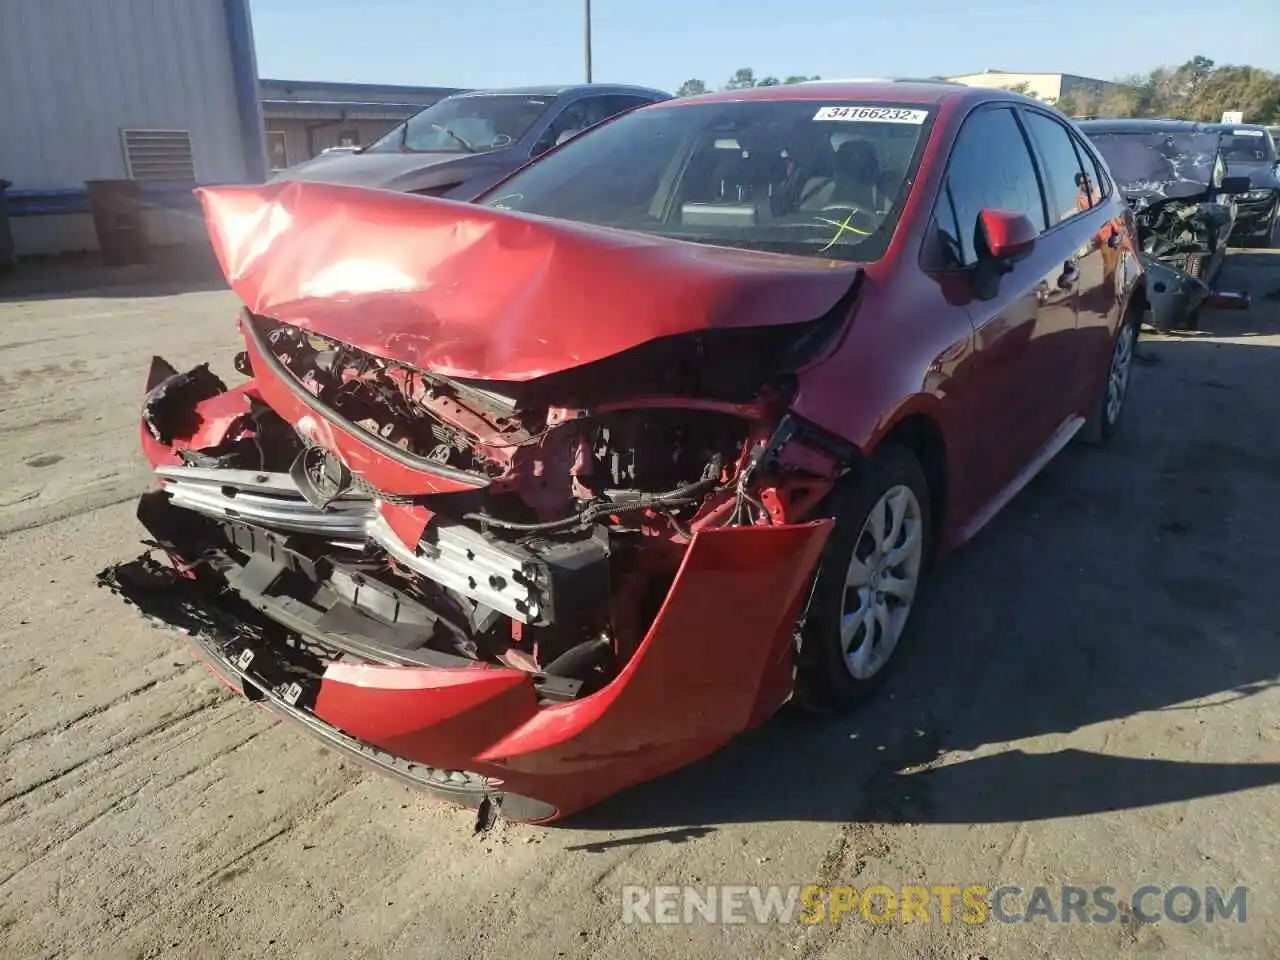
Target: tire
[826,680]
[1104,421]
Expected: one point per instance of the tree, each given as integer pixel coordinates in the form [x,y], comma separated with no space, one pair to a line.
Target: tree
[1069,103]
[1126,100]
[1021,87]
[1252,91]
[1198,89]
[1080,102]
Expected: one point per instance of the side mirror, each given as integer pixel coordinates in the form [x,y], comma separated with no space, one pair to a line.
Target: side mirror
[1002,238]
[1235,185]
[1005,236]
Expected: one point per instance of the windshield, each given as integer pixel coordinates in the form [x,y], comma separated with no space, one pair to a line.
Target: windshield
[1155,162]
[801,177]
[467,124]
[1250,146]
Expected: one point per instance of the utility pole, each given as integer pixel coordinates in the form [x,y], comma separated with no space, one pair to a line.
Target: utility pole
[586,36]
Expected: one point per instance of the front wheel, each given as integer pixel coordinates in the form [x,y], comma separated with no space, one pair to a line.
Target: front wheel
[866,583]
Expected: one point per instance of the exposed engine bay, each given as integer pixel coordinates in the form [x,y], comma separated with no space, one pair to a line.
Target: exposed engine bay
[563,523]
[1184,234]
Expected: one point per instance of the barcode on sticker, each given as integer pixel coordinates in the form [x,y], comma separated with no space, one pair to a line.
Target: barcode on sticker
[872,115]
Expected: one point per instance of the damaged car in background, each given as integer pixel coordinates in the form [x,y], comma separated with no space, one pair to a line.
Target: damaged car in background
[1250,152]
[1174,177]
[532,499]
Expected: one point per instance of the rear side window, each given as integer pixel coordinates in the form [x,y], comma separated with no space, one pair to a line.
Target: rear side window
[1101,183]
[1067,189]
[990,168]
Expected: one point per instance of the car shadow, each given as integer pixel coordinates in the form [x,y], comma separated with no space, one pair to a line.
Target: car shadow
[1124,581]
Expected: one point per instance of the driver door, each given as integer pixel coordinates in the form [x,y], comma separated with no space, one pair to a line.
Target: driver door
[1009,393]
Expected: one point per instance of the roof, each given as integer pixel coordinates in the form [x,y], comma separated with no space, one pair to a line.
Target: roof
[1145,125]
[1019,73]
[915,92]
[346,104]
[268,88]
[1238,126]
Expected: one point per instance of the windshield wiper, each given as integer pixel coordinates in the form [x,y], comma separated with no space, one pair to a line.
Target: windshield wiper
[465,145]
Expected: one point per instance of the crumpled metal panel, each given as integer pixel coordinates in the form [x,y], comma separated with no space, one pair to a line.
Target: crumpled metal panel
[470,291]
[1150,167]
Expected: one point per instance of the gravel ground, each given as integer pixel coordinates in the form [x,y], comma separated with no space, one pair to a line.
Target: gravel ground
[1088,697]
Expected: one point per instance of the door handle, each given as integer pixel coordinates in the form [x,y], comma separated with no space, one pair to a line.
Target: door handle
[1070,274]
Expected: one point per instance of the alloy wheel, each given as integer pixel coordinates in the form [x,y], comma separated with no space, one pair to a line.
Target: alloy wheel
[1118,375]
[881,582]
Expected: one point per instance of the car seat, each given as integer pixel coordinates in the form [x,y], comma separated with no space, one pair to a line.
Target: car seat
[855,179]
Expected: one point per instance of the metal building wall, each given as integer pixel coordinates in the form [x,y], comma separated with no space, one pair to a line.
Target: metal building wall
[73,73]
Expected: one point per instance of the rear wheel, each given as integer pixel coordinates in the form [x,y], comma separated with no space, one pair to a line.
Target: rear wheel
[866,584]
[1104,422]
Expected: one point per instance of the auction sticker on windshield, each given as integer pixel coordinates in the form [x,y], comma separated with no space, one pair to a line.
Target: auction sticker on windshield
[872,115]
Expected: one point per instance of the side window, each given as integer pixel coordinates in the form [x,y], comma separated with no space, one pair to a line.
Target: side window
[569,121]
[1066,186]
[1102,184]
[943,250]
[990,168]
[621,102]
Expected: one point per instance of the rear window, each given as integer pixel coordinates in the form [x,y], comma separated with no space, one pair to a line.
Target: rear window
[799,177]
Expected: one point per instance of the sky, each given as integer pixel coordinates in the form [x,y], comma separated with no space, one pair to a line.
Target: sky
[661,43]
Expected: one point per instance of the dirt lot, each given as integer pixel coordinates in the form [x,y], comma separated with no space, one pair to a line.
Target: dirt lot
[1089,698]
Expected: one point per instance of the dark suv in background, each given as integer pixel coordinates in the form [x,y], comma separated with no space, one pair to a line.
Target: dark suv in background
[463,144]
[1250,152]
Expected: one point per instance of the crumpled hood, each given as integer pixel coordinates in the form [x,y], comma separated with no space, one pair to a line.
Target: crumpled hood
[474,292]
[1149,168]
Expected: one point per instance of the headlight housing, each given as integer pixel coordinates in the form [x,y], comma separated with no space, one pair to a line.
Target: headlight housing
[1258,195]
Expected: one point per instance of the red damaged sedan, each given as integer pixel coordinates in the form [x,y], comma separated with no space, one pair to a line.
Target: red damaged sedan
[532,499]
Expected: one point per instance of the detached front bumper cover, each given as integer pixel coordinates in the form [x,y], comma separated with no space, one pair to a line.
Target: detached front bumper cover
[1174,296]
[716,661]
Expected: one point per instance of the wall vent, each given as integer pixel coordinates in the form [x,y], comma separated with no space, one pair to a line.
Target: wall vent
[163,155]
